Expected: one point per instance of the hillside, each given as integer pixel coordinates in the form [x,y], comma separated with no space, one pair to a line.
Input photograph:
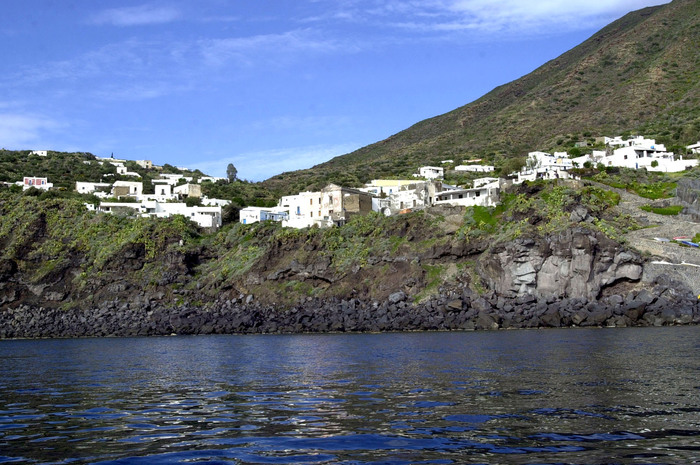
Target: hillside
[640,74]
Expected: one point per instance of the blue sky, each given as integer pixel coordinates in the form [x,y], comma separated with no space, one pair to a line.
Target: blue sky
[269,86]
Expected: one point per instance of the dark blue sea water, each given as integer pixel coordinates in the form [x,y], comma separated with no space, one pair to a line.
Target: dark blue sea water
[597,396]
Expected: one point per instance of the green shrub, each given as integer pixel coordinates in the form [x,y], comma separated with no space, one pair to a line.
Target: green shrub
[672,210]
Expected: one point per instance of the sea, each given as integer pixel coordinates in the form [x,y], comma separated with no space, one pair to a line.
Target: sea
[557,396]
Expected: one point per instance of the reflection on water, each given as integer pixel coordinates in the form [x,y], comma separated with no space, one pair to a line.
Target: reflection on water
[556,396]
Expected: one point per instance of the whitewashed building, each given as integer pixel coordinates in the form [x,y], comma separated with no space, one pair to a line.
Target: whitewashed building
[188,190]
[214,202]
[93,187]
[250,215]
[639,152]
[174,179]
[127,188]
[163,189]
[333,205]
[475,168]
[430,172]
[485,192]
[392,196]
[205,217]
[211,179]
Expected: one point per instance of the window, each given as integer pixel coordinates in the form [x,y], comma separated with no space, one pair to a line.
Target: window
[311,214]
[478,193]
[311,201]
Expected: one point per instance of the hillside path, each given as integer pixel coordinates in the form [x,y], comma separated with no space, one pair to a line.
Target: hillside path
[667,258]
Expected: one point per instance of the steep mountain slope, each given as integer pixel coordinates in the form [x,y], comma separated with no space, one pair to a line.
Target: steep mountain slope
[639,74]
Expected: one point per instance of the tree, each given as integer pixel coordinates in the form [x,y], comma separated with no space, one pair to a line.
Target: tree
[231,172]
[512,165]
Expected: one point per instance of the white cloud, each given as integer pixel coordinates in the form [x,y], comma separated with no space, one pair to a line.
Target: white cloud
[258,166]
[517,15]
[510,17]
[136,16]
[23,131]
[282,46]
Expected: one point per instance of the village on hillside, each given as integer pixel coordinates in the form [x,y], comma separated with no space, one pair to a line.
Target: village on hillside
[334,205]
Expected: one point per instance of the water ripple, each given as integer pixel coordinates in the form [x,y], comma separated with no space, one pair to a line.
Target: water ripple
[511,397]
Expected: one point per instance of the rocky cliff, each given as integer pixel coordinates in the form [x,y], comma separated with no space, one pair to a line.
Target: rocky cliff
[440,269]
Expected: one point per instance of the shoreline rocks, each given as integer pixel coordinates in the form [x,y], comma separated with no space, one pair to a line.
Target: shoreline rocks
[451,310]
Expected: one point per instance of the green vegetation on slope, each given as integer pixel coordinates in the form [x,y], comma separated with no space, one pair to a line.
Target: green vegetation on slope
[54,240]
[51,238]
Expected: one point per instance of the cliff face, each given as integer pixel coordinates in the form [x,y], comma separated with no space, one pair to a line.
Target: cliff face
[546,262]
[574,264]
[575,278]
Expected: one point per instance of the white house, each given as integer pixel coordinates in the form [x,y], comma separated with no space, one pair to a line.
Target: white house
[110,159]
[211,178]
[162,192]
[41,153]
[162,188]
[123,170]
[639,152]
[542,173]
[543,160]
[206,201]
[114,207]
[305,209]
[250,215]
[205,217]
[485,193]
[475,168]
[694,148]
[333,205]
[39,183]
[393,196]
[430,172]
[173,179]
[92,187]
[127,188]
[188,190]
[542,165]
[146,164]
[614,141]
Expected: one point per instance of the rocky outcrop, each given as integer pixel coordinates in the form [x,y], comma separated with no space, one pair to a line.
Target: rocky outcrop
[576,264]
[688,194]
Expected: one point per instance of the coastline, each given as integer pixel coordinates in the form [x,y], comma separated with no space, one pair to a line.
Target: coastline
[451,311]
